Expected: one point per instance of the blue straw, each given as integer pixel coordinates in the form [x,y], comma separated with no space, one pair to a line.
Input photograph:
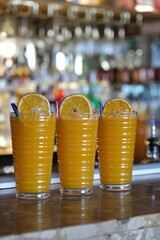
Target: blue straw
[15,109]
[101,108]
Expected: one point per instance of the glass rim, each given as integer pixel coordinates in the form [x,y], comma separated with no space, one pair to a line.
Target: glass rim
[121,113]
[12,114]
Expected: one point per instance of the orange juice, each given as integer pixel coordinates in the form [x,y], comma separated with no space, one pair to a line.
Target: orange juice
[76,147]
[33,143]
[141,136]
[116,144]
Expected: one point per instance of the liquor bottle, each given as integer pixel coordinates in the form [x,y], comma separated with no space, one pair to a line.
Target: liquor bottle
[152,152]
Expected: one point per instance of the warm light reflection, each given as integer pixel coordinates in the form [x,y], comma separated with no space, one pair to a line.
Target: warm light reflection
[31,56]
[7,48]
[105,65]
[78,68]
[3,35]
[144,6]
[60,61]
[9,63]
[22,2]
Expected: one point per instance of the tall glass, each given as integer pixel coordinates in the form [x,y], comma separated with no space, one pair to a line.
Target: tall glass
[116,144]
[76,148]
[33,145]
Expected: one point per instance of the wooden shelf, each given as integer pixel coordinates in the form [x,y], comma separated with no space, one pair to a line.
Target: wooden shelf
[54,9]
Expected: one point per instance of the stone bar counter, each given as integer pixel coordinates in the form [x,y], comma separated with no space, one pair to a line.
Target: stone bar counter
[103,215]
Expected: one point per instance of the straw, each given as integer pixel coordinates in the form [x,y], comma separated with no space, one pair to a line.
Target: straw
[101,108]
[57,108]
[15,109]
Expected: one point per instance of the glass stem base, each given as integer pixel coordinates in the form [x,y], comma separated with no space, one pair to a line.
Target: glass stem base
[76,192]
[124,187]
[32,196]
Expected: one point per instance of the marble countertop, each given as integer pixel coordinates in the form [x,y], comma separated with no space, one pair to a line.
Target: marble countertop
[102,215]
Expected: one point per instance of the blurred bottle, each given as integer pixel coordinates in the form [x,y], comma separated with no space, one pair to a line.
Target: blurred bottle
[123,76]
[157,74]
[152,153]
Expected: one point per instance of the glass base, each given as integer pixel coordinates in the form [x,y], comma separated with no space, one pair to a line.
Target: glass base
[124,187]
[32,196]
[76,192]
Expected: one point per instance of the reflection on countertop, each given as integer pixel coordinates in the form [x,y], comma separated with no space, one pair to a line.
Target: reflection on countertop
[97,216]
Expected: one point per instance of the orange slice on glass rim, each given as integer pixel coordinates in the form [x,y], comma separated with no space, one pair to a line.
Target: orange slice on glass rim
[34,104]
[116,106]
[74,106]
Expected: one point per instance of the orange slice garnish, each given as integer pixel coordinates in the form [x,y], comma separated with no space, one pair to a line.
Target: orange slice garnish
[33,103]
[116,106]
[74,106]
